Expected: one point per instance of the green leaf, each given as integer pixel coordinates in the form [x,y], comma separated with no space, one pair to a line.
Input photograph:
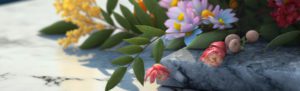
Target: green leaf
[138,40]
[122,60]
[122,21]
[130,17]
[150,5]
[139,69]
[203,40]
[288,29]
[284,39]
[298,25]
[111,5]
[131,49]
[132,1]
[107,18]
[176,44]
[96,39]
[158,12]
[251,3]
[150,31]
[142,16]
[60,27]
[115,78]
[116,39]
[158,50]
[267,19]
[269,31]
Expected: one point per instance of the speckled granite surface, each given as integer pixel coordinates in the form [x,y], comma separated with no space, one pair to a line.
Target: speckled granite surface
[253,69]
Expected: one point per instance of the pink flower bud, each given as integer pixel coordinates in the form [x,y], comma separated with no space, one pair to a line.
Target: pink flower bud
[231,37]
[234,46]
[157,71]
[252,36]
[214,55]
[219,44]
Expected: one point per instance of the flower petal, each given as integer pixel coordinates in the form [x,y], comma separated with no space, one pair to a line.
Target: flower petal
[188,39]
[186,27]
[164,4]
[153,76]
[170,22]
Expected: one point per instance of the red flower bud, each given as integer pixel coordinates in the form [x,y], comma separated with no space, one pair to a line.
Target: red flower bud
[214,55]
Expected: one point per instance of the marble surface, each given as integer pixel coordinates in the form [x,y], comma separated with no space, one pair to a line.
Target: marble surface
[33,62]
[254,69]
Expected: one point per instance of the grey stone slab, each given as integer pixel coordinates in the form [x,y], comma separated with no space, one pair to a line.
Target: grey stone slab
[253,69]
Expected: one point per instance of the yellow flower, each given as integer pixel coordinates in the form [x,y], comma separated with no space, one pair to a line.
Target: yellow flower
[83,13]
[206,14]
[174,3]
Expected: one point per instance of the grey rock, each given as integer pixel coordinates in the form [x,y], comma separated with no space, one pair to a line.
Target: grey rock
[172,83]
[189,90]
[164,89]
[253,69]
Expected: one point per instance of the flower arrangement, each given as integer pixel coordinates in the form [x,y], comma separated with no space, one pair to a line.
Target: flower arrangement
[219,26]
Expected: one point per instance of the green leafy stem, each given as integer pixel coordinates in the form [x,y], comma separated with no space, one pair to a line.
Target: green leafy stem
[150,35]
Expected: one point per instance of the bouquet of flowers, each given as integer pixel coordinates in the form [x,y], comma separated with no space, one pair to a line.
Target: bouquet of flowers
[213,25]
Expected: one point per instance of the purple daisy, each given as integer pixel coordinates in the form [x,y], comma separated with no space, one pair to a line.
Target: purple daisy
[168,3]
[182,21]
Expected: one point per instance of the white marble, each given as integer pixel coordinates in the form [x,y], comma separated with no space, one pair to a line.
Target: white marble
[30,62]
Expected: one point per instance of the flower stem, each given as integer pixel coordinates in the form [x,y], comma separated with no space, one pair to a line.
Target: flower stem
[146,46]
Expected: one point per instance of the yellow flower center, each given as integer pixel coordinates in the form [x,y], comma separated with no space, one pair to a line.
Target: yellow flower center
[189,33]
[177,26]
[221,21]
[206,13]
[180,17]
[174,3]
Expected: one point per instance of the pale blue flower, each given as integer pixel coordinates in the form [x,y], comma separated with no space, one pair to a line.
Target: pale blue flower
[223,19]
[188,39]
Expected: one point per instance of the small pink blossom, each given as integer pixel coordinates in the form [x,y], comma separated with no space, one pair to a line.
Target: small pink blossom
[214,54]
[157,71]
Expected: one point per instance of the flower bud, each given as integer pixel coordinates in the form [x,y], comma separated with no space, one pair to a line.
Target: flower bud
[234,45]
[219,44]
[157,71]
[252,36]
[230,37]
[214,55]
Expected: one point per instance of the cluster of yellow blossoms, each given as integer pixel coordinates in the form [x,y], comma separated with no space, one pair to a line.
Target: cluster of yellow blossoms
[83,13]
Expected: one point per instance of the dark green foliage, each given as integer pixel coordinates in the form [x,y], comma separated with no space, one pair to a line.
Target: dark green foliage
[60,27]
[116,39]
[96,39]
[115,78]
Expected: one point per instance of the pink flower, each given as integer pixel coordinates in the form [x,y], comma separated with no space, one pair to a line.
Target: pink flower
[219,44]
[157,71]
[214,54]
